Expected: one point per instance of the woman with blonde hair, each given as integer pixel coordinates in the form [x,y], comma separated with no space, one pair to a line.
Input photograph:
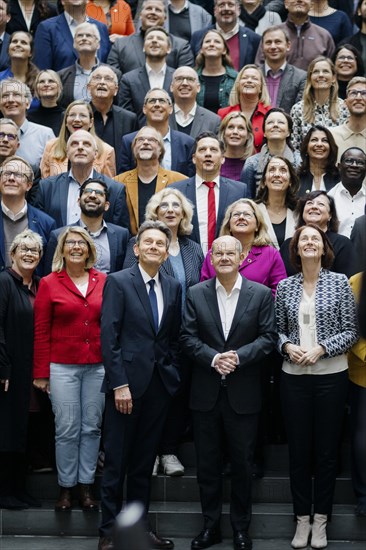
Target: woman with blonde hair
[250,96]
[78,116]
[215,71]
[48,90]
[320,103]
[68,361]
[237,135]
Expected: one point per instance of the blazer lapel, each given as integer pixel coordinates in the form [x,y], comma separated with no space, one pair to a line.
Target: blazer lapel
[112,240]
[191,195]
[285,81]
[140,288]
[198,122]
[245,297]
[223,203]
[65,35]
[63,191]
[209,292]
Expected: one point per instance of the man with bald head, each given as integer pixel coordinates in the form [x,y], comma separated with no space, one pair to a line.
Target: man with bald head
[228,329]
[58,195]
[188,116]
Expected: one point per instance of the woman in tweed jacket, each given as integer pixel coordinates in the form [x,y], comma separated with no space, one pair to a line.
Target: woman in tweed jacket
[316,317]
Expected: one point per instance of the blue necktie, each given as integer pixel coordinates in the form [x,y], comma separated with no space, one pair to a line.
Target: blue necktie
[154,304]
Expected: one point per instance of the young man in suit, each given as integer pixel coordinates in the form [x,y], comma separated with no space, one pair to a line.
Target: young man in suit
[208,191]
[228,329]
[139,332]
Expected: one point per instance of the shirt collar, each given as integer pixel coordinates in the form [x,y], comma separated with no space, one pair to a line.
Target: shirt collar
[146,277]
[168,136]
[150,71]
[10,214]
[360,192]
[230,34]
[71,21]
[192,112]
[95,233]
[80,69]
[267,68]
[237,285]
[199,181]
[71,176]
[24,127]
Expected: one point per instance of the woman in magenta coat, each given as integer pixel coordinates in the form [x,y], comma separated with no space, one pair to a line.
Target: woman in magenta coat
[68,361]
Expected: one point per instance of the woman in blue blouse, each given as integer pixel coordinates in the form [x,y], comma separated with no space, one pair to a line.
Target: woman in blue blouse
[316,319]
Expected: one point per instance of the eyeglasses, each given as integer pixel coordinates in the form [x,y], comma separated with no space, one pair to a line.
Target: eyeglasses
[160,100]
[9,137]
[71,243]
[26,250]
[164,206]
[90,191]
[351,162]
[99,78]
[148,139]
[346,58]
[189,79]
[19,176]
[355,93]
[245,215]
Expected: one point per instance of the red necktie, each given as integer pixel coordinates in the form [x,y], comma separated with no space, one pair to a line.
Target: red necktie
[211,229]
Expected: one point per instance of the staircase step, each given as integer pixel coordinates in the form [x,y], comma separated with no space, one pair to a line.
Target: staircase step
[177,519]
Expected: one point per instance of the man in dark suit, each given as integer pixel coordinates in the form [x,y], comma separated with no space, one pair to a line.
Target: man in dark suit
[127,52]
[155,73]
[16,215]
[58,195]
[111,122]
[53,41]
[285,82]
[208,191]
[228,329]
[4,36]
[243,43]
[178,146]
[358,238]
[187,116]
[139,333]
[110,240]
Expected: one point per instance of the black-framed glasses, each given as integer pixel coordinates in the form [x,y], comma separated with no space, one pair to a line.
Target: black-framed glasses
[9,137]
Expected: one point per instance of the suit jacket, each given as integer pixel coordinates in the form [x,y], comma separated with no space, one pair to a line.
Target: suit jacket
[252,335]
[127,53]
[65,330]
[198,17]
[67,77]
[358,238]
[53,44]
[306,183]
[130,180]
[248,43]
[204,121]
[4,57]
[134,87]
[291,87]
[117,239]
[17,21]
[52,198]
[230,191]
[181,153]
[40,223]
[130,346]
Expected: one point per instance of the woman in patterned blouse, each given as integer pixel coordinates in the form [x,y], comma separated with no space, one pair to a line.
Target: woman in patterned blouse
[316,320]
[320,103]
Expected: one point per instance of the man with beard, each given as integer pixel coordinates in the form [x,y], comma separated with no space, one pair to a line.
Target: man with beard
[110,240]
[350,194]
[148,177]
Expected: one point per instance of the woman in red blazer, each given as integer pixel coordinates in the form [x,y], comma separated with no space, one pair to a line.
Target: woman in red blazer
[68,361]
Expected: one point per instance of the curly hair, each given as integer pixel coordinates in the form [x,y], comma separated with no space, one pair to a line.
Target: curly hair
[331,166]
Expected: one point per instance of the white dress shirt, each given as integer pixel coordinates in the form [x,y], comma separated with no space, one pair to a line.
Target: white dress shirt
[156,79]
[167,159]
[348,208]
[202,207]
[228,303]
[182,119]
[73,208]
[10,214]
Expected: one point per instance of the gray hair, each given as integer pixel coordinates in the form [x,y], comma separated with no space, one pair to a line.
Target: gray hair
[88,27]
[160,226]
[30,235]
[11,123]
[17,86]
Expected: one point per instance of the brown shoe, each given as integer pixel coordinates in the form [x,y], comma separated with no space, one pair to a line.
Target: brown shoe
[86,499]
[105,543]
[64,500]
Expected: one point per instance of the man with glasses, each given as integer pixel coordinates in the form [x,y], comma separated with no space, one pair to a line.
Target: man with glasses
[189,117]
[9,138]
[353,132]
[110,240]
[58,195]
[111,122]
[16,215]
[350,194]
[178,146]
[243,43]
[154,74]
[148,177]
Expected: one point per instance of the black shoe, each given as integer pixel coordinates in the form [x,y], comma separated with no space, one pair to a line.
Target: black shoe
[157,542]
[242,541]
[206,538]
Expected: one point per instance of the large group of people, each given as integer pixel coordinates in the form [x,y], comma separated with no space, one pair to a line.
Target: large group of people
[182,222]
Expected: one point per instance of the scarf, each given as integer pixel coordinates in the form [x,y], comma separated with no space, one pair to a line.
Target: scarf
[252,20]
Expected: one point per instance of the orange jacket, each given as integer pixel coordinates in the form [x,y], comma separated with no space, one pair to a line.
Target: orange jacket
[120,17]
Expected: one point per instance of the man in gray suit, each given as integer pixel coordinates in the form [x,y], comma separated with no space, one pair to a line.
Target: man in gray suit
[285,82]
[187,116]
[127,52]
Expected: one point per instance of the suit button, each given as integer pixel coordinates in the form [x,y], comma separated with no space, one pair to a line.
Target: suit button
[86,323]
[86,304]
[87,341]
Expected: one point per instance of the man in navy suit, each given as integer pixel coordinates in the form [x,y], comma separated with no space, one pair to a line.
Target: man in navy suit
[110,240]
[53,41]
[208,156]
[58,195]
[140,324]
[243,43]
[4,36]
[16,215]
[178,146]
[154,74]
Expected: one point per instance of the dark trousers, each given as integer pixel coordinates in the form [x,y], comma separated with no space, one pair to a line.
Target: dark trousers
[212,430]
[130,444]
[358,440]
[313,408]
